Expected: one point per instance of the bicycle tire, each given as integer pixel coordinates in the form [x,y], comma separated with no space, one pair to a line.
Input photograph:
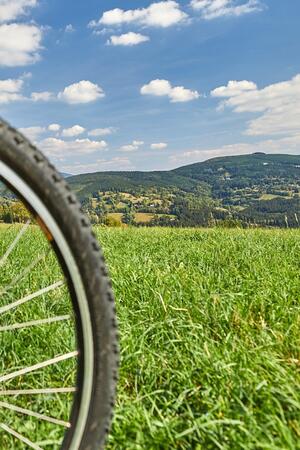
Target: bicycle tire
[52,190]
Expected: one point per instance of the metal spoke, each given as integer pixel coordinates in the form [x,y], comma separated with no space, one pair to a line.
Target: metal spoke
[20,437]
[30,413]
[25,272]
[17,303]
[14,243]
[30,369]
[20,326]
[67,390]
[21,283]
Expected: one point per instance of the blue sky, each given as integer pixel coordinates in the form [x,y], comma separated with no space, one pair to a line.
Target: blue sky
[141,85]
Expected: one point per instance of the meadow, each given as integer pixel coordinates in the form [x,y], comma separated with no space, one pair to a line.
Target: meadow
[210,332]
[210,335]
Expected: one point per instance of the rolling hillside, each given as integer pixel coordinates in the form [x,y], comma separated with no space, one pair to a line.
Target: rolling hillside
[86,184]
[254,169]
[249,190]
[259,188]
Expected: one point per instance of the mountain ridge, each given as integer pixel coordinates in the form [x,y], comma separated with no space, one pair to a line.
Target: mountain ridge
[258,188]
[188,171]
[200,163]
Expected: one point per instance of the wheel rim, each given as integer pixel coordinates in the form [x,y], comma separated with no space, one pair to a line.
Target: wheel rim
[74,436]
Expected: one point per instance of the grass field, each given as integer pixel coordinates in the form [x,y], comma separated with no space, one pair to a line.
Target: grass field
[210,338]
[210,335]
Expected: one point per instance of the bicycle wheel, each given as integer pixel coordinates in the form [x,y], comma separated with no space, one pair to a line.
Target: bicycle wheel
[58,330]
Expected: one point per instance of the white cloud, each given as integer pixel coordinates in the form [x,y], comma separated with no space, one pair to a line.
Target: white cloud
[54,127]
[82,92]
[19,44]
[128,39]
[42,96]
[69,28]
[132,147]
[101,131]
[33,133]
[176,94]
[10,90]
[54,147]
[278,103]
[276,121]
[11,85]
[234,88]
[287,145]
[157,87]
[76,130]
[12,9]
[181,94]
[270,97]
[212,9]
[159,146]
[161,14]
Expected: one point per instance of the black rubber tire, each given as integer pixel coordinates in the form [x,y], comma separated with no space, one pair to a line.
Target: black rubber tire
[34,168]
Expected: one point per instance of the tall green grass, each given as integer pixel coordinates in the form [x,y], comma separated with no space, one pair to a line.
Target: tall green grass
[210,338]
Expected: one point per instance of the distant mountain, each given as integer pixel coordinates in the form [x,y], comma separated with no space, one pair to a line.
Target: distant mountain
[252,167]
[255,168]
[86,184]
[258,187]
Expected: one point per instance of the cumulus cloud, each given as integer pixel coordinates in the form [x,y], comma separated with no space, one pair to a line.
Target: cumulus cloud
[19,44]
[181,94]
[11,85]
[161,14]
[128,39]
[10,90]
[82,92]
[101,131]
[159,146]
[132,147]
[281,120]
[157,87]
[54,127]
[212,9]
[163,88]
[76,130]
[54,147]
[278,103]
[12,9]
[234,88]
[69,28]
[33,133]
[42,96]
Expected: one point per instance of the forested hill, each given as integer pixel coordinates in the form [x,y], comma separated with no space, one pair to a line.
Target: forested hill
[256,168]
[260,188]
[251,167]
[87,184]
